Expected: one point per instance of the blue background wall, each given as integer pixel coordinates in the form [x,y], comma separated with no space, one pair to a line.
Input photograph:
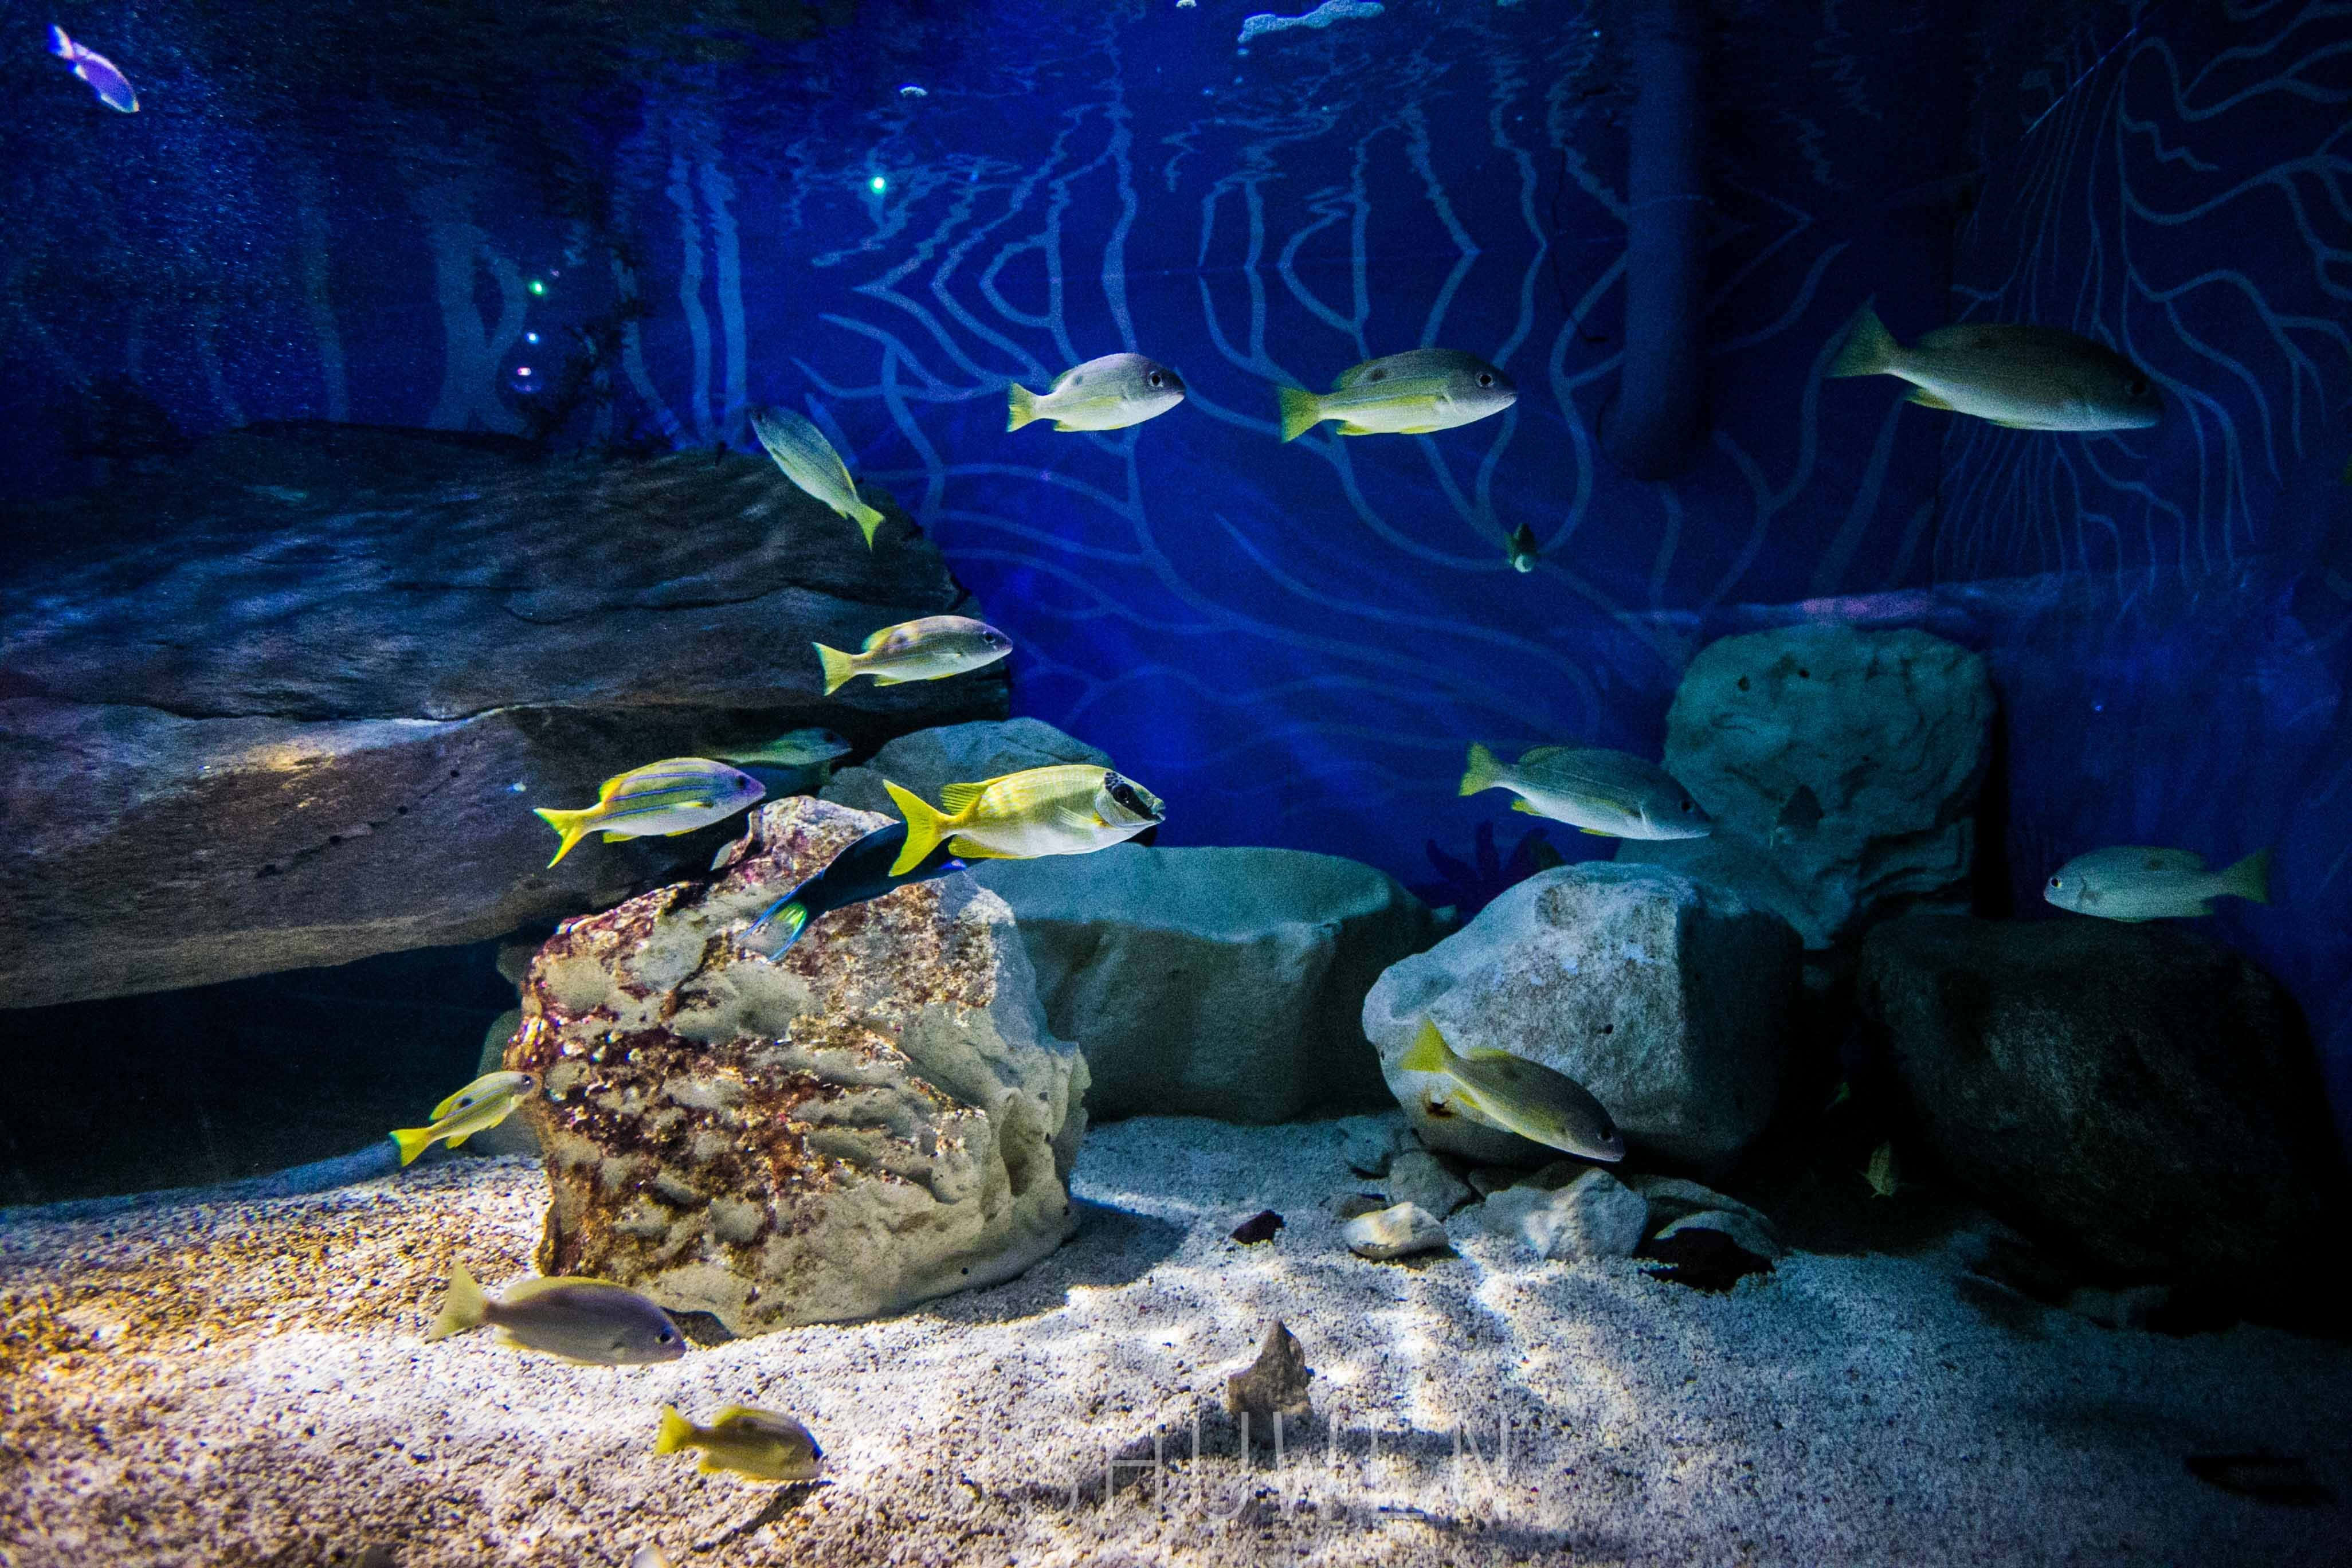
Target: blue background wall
[1293,644]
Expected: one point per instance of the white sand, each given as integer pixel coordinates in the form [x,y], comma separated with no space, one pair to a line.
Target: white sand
[246,1384]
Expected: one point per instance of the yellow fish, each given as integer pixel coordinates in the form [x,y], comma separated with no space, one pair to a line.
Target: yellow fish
[764,1444]
[476,1108]
[1106,393]
[2023,378]
[1402,394]
[669,797]
[1516,1095]
[932,648]
[808,461]
[1064,810]
[1882,1175]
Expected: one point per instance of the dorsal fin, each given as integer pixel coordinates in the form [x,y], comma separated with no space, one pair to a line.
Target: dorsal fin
[955,799]
[539,1284]
[612,786]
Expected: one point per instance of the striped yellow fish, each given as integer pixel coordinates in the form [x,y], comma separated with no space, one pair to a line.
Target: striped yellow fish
[476,1108]
[676,795]
[1064,810]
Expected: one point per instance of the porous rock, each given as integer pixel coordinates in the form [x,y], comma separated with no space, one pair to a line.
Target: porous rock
[1225,983]
[1275,1383]
[927,760]
[1888,730]
[1397,1231]
[878,1118]
[1417,1177]
[1595,1216]
[2138,1094]
[334,667]
[1663,997]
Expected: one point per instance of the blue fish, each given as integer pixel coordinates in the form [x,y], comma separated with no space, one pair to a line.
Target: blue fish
[860,873]
[113,88]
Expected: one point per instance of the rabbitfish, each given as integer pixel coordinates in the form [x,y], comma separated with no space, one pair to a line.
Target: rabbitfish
[1106,393]
[594,1322]
[1612,793]
[2129,884]
[1064,810]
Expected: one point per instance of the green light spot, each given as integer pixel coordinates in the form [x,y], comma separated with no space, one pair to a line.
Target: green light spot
[537,286]
[878,185]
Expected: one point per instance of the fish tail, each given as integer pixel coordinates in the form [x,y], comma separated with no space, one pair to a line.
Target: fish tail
[676,1432]
[2249,877]
[924,823]
[840,667]
[1870,349]
[868,519]
[1429,1052]
[59,44]
[412,1141]
[464,1306]
[1022,406]
[789,915]
[1301,411]
[1482,771]
[572,824]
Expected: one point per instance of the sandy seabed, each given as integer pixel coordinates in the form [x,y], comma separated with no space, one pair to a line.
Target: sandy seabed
[245,1383]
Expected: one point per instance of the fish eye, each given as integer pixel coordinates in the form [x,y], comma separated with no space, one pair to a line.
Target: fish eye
[2137,386]
[2056,882]
[1486,378]
[665,1337]
[1686,806]
[1157,380]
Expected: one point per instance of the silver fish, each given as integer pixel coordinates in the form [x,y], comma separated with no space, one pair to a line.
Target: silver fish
[2134,884]
[932,648]
[2025,378]
[808,461]
[1518,1096]
[113,88]
[1613,794]
[1106,393]
[1402,394]
[795,749]
[594,1322]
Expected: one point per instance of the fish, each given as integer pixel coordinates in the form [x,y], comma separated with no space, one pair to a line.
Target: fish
[105,79]
[589,1322]
[808,461]
[476,1108]
[2019,377]
[1799,818]
[1518,1096]
[1402,394]
[2139,884]
[932,648]
[1106,393]
[795,749]
[676,795]
[1881,1174]
[1067,809]
[764,1444]
[1611,795]
[1521,551]
[858,875]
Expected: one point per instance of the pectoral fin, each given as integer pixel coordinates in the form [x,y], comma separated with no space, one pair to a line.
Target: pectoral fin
[1523,806]
[1597,833]
[1345,429]
[1926,399]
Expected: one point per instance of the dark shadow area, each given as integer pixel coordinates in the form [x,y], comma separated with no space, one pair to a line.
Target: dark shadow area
[1112,1247]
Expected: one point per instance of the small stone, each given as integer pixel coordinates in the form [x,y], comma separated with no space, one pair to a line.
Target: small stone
[1392,1232]
[1596,1215]
[1259,1227]
[1275,1384]
[1487,1180]
[1417,1177]
[1368,1142]
[1740,1225]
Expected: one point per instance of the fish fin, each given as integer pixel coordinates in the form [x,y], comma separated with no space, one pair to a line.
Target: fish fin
[412,1141]
[1526,805]
[1429,1052]
[572,824]
[674,1432]
[924,825]
[1870,349]
[732,1413]
[840,667]
[464,1308]
[1022,406]
[447,1105]
[787,913]
[1481,772]
[612,838]
[709,1466]
[1596,832]
[1408,430]
[2013,425]
[1301,411]
[970,850]
[2250,878]
[956,798]
[1347,429]
[867,520]
[460,1138]
[59,44]
[1926,399]
[880,679]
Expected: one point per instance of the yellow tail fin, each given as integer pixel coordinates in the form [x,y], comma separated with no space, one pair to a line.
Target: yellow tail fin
[867,518]
[1429,1052]
[1870,349]
[412,1141]
[1301,411]
[924,823]
[676,1432]
[2249,877]
[839,667]
[1022,406]
[572,824]
[465,1307]
[1483,772]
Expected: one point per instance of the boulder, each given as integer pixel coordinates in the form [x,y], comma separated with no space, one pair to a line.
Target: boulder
[1224,983]
[290,700]
[2136,1093]
[1369,1143]
[877,1119]
[1595,1216]
[1417,1178]
[1663,997]
[1889,732]
[929,760]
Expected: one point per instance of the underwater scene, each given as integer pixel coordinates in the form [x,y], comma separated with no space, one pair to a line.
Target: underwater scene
[1175,782]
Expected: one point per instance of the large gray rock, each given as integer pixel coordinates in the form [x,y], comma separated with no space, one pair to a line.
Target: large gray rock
[1663,997]
[929,760]
[1225,983]
[2136,1092]
[290,701]
[879,1118]
[1595,1216]
[1888,730]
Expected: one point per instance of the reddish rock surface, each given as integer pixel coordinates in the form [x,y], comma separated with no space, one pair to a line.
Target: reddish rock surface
[877,1119]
